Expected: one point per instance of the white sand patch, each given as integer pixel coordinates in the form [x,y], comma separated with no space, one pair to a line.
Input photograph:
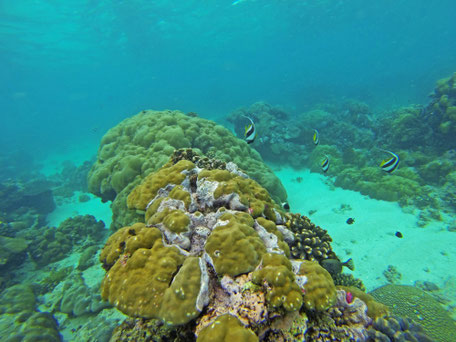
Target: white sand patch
[72,207]
[426,254]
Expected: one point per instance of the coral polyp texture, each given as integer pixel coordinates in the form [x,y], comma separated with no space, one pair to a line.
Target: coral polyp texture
[415,304]
[143,143]
[211,258]
[226,328]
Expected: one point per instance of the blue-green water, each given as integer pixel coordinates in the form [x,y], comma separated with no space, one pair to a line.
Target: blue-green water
[71,70]
[72,66]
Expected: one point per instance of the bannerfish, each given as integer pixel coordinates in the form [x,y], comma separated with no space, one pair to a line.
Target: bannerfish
[316,137]
[250,131]
[399,235]
[391,164]
[350,220]
[334,266]
[285,206]
[325,164]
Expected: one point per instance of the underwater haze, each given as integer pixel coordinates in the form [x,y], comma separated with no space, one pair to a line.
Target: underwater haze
[71,69]
[214,170]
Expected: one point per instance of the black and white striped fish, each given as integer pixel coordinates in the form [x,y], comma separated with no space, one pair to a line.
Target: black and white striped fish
[316,137]
[389,165]
[325,164]
[250,131]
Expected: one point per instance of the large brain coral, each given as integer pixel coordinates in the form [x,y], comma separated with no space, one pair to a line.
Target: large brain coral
[422,308]
[143,143]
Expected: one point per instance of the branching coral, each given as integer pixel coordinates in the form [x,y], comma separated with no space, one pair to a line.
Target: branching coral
[310,241]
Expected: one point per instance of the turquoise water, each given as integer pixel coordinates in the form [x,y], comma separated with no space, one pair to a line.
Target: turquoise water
[358,72]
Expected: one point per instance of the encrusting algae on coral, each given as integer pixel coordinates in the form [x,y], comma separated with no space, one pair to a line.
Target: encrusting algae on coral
[213,256]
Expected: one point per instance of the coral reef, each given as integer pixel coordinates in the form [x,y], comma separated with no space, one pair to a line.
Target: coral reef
[39,326]
[87,258]
[237,296]
[320,291]
[415,304]
[12,253]
[310,242]
[276,273]
[143,143]
[226,328]
[389,329]
[344,321]
[345,279]
[142,330]
[35,194]
[75,298]
[83,230]
[49,245]
[72,178]
[374,309]
[212,257]
[351,137]
[54,278]
[53,244]
[442,108]
[20,322]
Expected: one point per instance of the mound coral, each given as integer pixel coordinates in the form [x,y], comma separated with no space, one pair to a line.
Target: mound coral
[195,218]
[51,244]
[143,143]
[226,328]
[12,252]
[320,291]
[212,257]
[396,328]
[277,273]
[19,320]
[443,105]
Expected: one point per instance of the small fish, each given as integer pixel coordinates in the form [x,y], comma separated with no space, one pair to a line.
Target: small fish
[250,131]
[285,206]
[390,164]
[325,164]
[350,220]
[350,264]
[399,235]
[334,266]
[316,137]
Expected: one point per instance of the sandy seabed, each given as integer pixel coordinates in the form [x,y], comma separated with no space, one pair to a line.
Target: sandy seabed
[424,253]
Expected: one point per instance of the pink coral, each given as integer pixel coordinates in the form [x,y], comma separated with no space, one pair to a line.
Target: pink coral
[349,297]
[351,313]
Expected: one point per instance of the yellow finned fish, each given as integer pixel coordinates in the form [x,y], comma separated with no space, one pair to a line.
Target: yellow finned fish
[250,131]
[390,165]
[325,164]
[316,137]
